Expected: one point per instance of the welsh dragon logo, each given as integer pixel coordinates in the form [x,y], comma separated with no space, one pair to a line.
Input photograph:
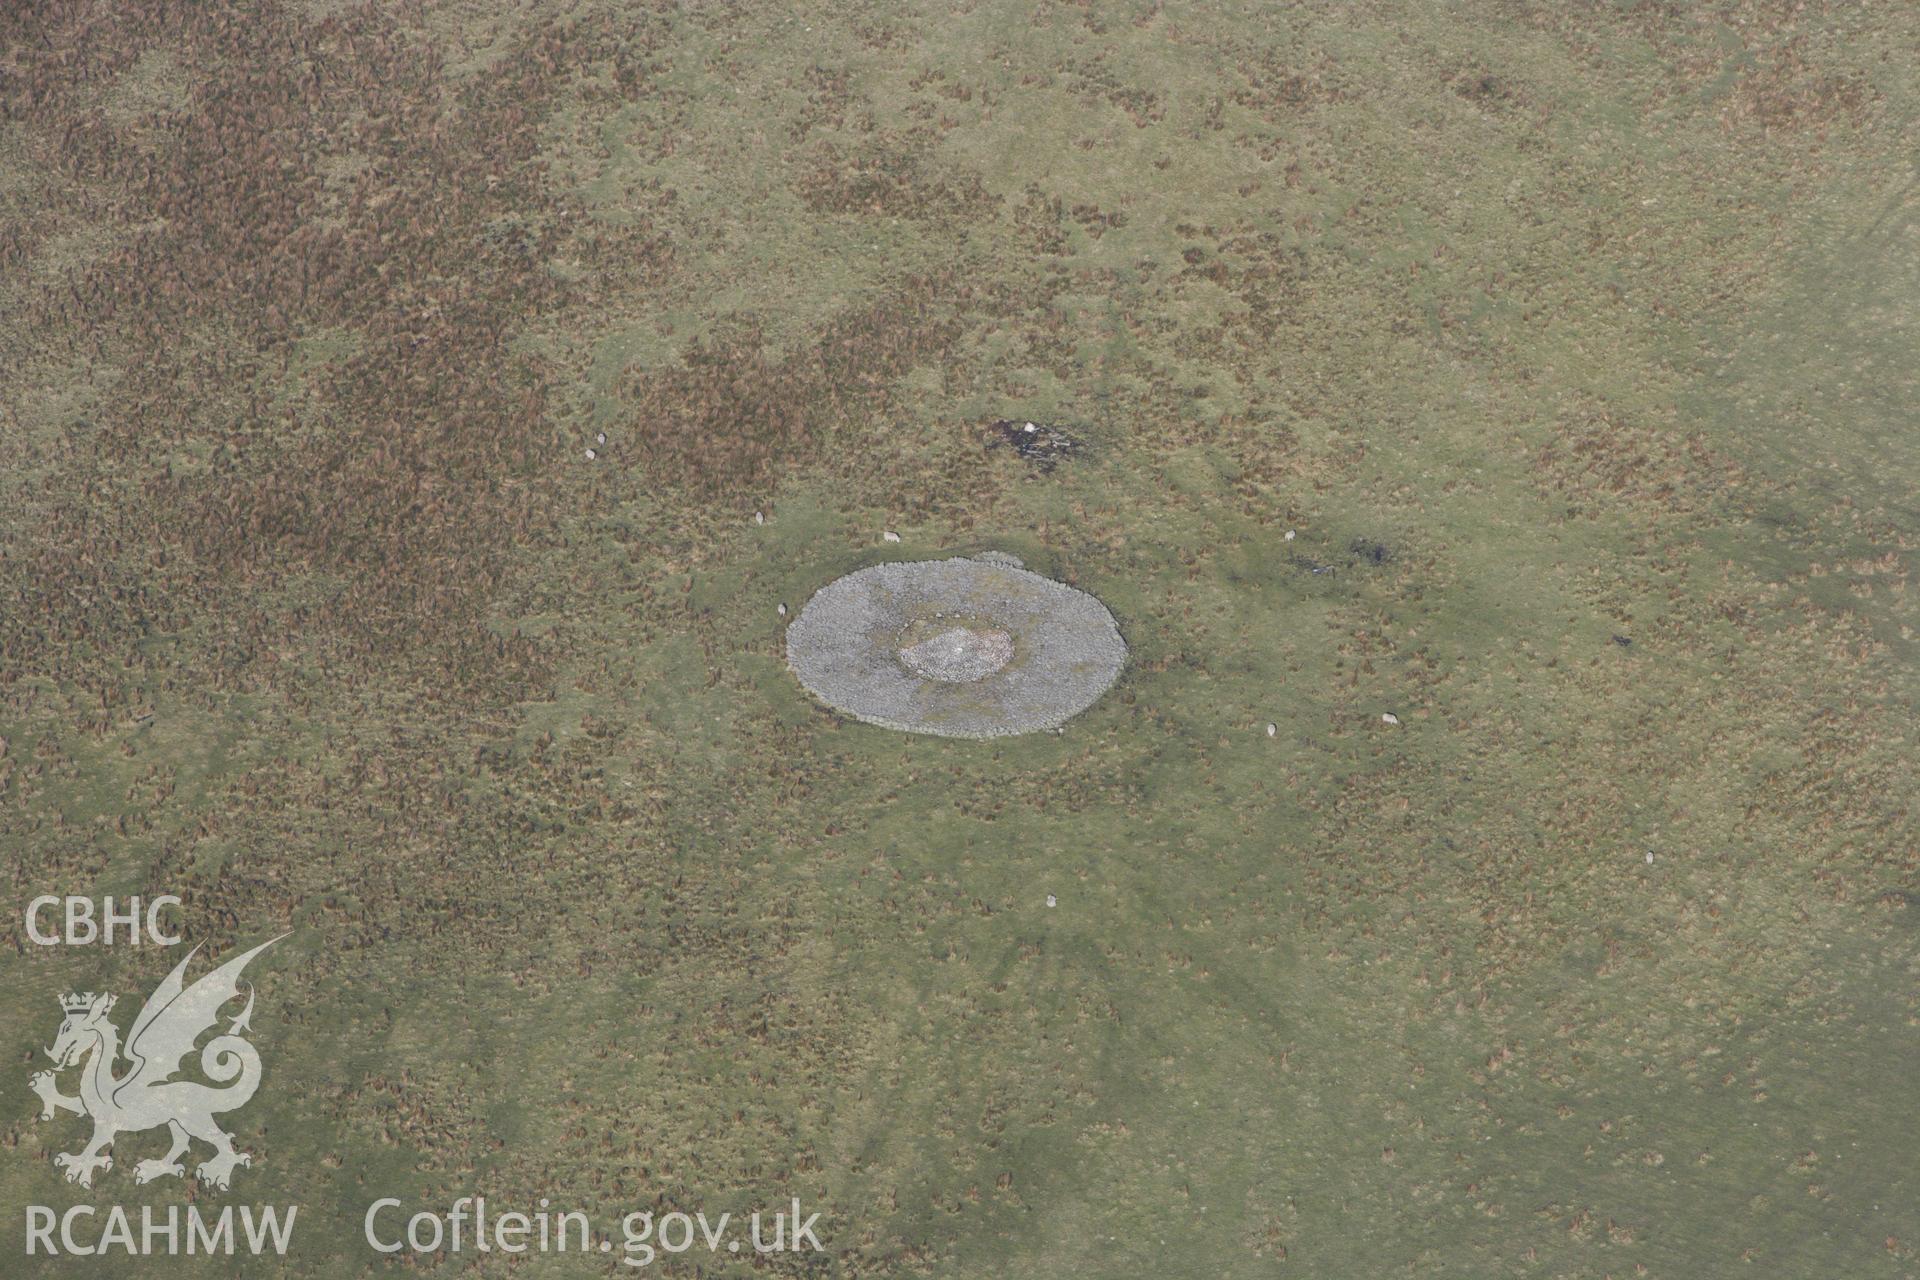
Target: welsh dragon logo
[146,1096]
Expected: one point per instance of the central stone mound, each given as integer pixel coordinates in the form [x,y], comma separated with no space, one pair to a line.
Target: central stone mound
[958,655]
[963,648]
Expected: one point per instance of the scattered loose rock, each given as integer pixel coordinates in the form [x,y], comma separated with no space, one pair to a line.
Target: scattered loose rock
[1035,441]
[1370,551]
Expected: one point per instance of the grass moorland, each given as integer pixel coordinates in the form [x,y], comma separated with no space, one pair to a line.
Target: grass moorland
[1574,342]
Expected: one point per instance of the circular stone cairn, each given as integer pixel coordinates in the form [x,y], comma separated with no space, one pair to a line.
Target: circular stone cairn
[964,648]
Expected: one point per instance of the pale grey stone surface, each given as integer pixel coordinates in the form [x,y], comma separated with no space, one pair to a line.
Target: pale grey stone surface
[966,648]
[959,655]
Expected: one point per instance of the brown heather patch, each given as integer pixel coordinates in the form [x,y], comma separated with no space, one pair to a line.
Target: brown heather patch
[1602,463]
[320,177]
[1779,85]
[887,180]
[830,100]
[1491,90]
[729,420]
[1267,276]
[1095,81]
[1039,222]
[1784,91]
[1279,91]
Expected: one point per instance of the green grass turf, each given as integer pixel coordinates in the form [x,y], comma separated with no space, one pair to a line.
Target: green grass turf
[1539,324]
